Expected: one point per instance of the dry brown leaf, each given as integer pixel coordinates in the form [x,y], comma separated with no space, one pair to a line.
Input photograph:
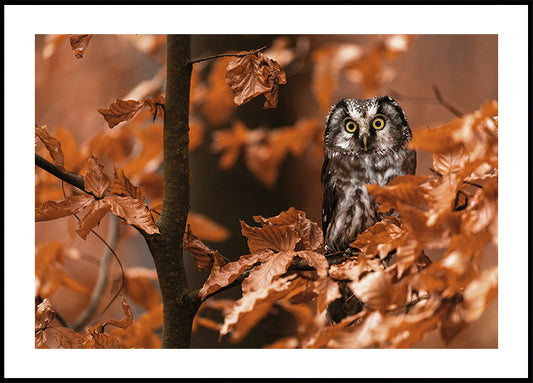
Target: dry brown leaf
[120,110]
[309,231]
[203,256]
[79,44]
[478,294]
[142,332]
[381,238]
[96,181]
[270,268]
[124,322]
[122,186]
[98,209]
[378,292]
[66,337]
[270,293]
[133,211]
[270,237]
[223,274]
[255,74]
[52,145]
[44,315]
[71,205]
[327,291]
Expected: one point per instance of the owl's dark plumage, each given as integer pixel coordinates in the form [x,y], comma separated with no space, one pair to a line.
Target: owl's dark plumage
[365,142]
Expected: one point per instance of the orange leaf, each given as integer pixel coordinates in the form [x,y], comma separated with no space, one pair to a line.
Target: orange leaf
[96,181]
[79,44]
[223,274]
[70,205]
[269,293]
[270,268]
[381,238]
[66,337]
[316,260]
[123,186]
[255,74]
[97,211]
[52,145]
[133,211]
[120,110]
[230,142]
[196,134]
[378,292]
[327,291]
[309,231]
[156,106]
[206,228]
[44,315]
[124,322]
[203,255]
[276,238]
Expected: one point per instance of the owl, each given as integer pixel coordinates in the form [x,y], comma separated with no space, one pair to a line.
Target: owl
[365,142]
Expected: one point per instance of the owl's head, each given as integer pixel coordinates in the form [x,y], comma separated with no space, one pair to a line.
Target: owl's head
[374,125]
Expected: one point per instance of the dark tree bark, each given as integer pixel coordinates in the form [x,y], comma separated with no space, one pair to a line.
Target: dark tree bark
[167,247]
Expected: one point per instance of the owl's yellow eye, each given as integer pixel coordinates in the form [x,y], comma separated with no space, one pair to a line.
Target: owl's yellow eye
[378,123]
[350,126]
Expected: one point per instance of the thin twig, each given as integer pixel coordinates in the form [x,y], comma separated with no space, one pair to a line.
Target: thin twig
[444,103]
[297,264]
[101,282]
[71,178]
[227,55]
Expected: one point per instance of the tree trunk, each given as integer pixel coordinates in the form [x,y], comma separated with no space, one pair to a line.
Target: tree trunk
[167,247]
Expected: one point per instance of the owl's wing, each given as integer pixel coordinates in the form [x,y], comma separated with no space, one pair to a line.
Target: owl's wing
[329,199]
[410,163]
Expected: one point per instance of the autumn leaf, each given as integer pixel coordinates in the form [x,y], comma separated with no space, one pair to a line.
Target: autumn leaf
[479,293]
[269,293]
[252,75]
[156,106]
[96,181]
[223,274]
[97,211]
[79,44]
[270,237]
[203,256]
[44,315]
[327,291]
[122,186]
[378,292]
[124,322]
[71,205]
[66,337]
[120,110]
[232,141]
[381,238]
[52,145]
[133,211]
[142,333]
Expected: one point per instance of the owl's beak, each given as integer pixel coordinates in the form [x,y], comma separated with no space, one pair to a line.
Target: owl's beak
[364,141]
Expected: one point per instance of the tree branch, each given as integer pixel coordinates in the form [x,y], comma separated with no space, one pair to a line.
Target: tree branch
[297,264]
[71,178]
[227,55]
[167,247]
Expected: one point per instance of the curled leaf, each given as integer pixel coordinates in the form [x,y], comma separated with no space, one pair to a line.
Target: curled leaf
[52,145]
[79,44]
[255,74]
